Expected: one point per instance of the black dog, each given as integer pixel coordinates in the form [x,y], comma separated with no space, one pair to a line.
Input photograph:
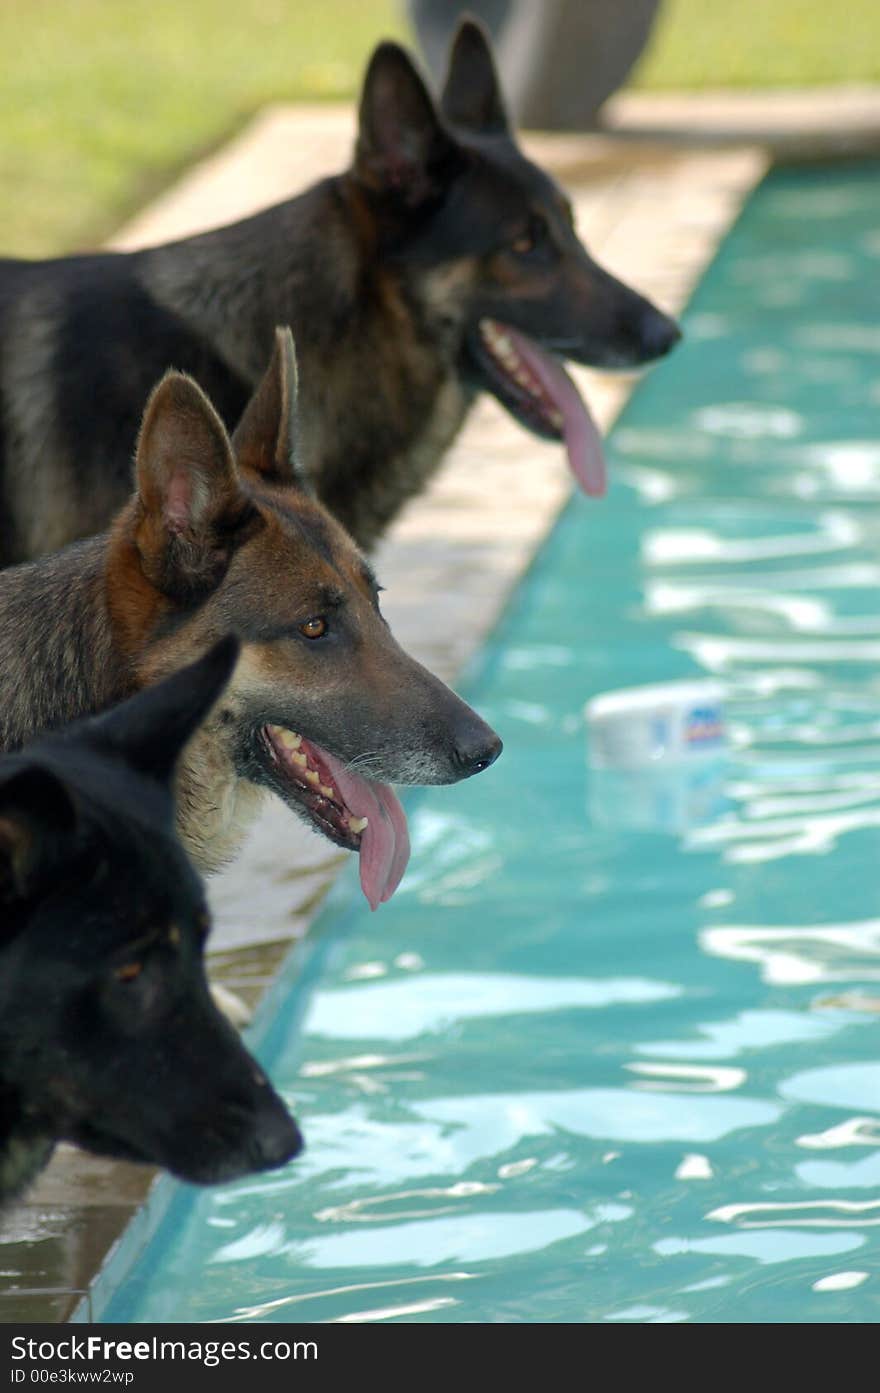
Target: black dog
[441,264]
[108,1035]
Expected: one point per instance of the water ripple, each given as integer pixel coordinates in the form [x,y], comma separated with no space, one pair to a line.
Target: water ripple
[801,953]
[436,1001]
[827,1213]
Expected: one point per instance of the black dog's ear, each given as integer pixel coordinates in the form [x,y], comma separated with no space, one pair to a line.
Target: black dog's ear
[36,817]
[193,509]
[472,93]
[402,146]
[265,439]
[149,730]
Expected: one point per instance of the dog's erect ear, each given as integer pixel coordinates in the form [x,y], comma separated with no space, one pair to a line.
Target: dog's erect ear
[36,817]
[265,439]
[402,146]
[150,730]
[194,511]
[472,95]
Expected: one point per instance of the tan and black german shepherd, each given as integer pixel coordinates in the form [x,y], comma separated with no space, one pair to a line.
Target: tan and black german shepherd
[223,536]
[441,264]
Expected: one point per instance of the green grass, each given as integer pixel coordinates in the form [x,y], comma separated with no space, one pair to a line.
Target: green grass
[102,102]
[762,43]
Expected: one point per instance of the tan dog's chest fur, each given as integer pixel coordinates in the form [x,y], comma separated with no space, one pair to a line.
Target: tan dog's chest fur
[215,807]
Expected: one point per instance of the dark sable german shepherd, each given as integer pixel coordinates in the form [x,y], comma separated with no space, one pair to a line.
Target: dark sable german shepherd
[221,536]
[441,264]
[108,1034]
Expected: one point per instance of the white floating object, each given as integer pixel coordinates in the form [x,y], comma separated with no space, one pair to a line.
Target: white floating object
[637,727]
[656,756]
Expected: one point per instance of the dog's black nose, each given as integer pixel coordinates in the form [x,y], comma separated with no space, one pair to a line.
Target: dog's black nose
[476,751]
[659,334]
[276,1138]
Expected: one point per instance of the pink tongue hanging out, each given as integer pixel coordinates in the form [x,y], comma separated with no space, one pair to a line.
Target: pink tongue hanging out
[384,851]
[583,443]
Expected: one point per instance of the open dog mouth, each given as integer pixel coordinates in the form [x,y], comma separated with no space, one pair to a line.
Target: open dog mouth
[356,813]
[537,390]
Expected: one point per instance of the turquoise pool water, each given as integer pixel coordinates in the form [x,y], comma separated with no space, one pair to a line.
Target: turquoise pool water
[585,1070]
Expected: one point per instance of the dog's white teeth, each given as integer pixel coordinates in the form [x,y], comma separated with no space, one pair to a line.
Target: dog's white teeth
[556,419]
[496,338]
[313,776]
[502,347]
[288,739]
[357,824]
[327,792]
[300,760]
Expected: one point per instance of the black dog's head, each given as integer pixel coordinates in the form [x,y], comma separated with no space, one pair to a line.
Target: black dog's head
[109,1037]
[490,242]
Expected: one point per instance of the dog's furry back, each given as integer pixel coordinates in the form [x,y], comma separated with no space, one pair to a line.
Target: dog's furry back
[380,398]
[57,659]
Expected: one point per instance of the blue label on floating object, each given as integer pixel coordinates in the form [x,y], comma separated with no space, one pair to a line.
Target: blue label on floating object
[703,725]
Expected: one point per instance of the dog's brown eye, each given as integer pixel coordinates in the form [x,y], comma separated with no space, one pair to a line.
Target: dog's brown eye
[174,936]
[129,972]
[530,237]
[314,628]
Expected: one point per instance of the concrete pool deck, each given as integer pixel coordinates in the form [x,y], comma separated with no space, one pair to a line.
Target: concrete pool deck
[653,210]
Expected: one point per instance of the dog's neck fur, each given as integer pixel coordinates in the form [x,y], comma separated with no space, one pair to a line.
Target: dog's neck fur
[60,659]
[57,657]
[363,337]
[26,1144]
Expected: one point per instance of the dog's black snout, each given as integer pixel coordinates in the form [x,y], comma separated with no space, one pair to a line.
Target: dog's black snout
[476,751]
[659,334]
[276,1139]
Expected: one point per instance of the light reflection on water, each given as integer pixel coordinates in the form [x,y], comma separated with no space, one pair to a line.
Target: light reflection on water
[583,1069]
[430,1003]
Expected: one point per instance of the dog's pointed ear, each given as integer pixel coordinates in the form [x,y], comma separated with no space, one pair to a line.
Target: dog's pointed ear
[193,509]
[150,730]
[403,148]
[265,439]
[472,95]
[37,815]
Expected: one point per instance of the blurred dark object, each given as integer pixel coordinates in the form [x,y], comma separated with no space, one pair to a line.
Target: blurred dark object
[559,59]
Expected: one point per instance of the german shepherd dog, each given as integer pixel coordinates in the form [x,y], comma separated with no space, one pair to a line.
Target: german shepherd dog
[441,264]
[222,536]
[108,1034]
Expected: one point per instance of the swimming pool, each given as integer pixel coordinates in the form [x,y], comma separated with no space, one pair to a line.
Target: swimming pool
[583,1069]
